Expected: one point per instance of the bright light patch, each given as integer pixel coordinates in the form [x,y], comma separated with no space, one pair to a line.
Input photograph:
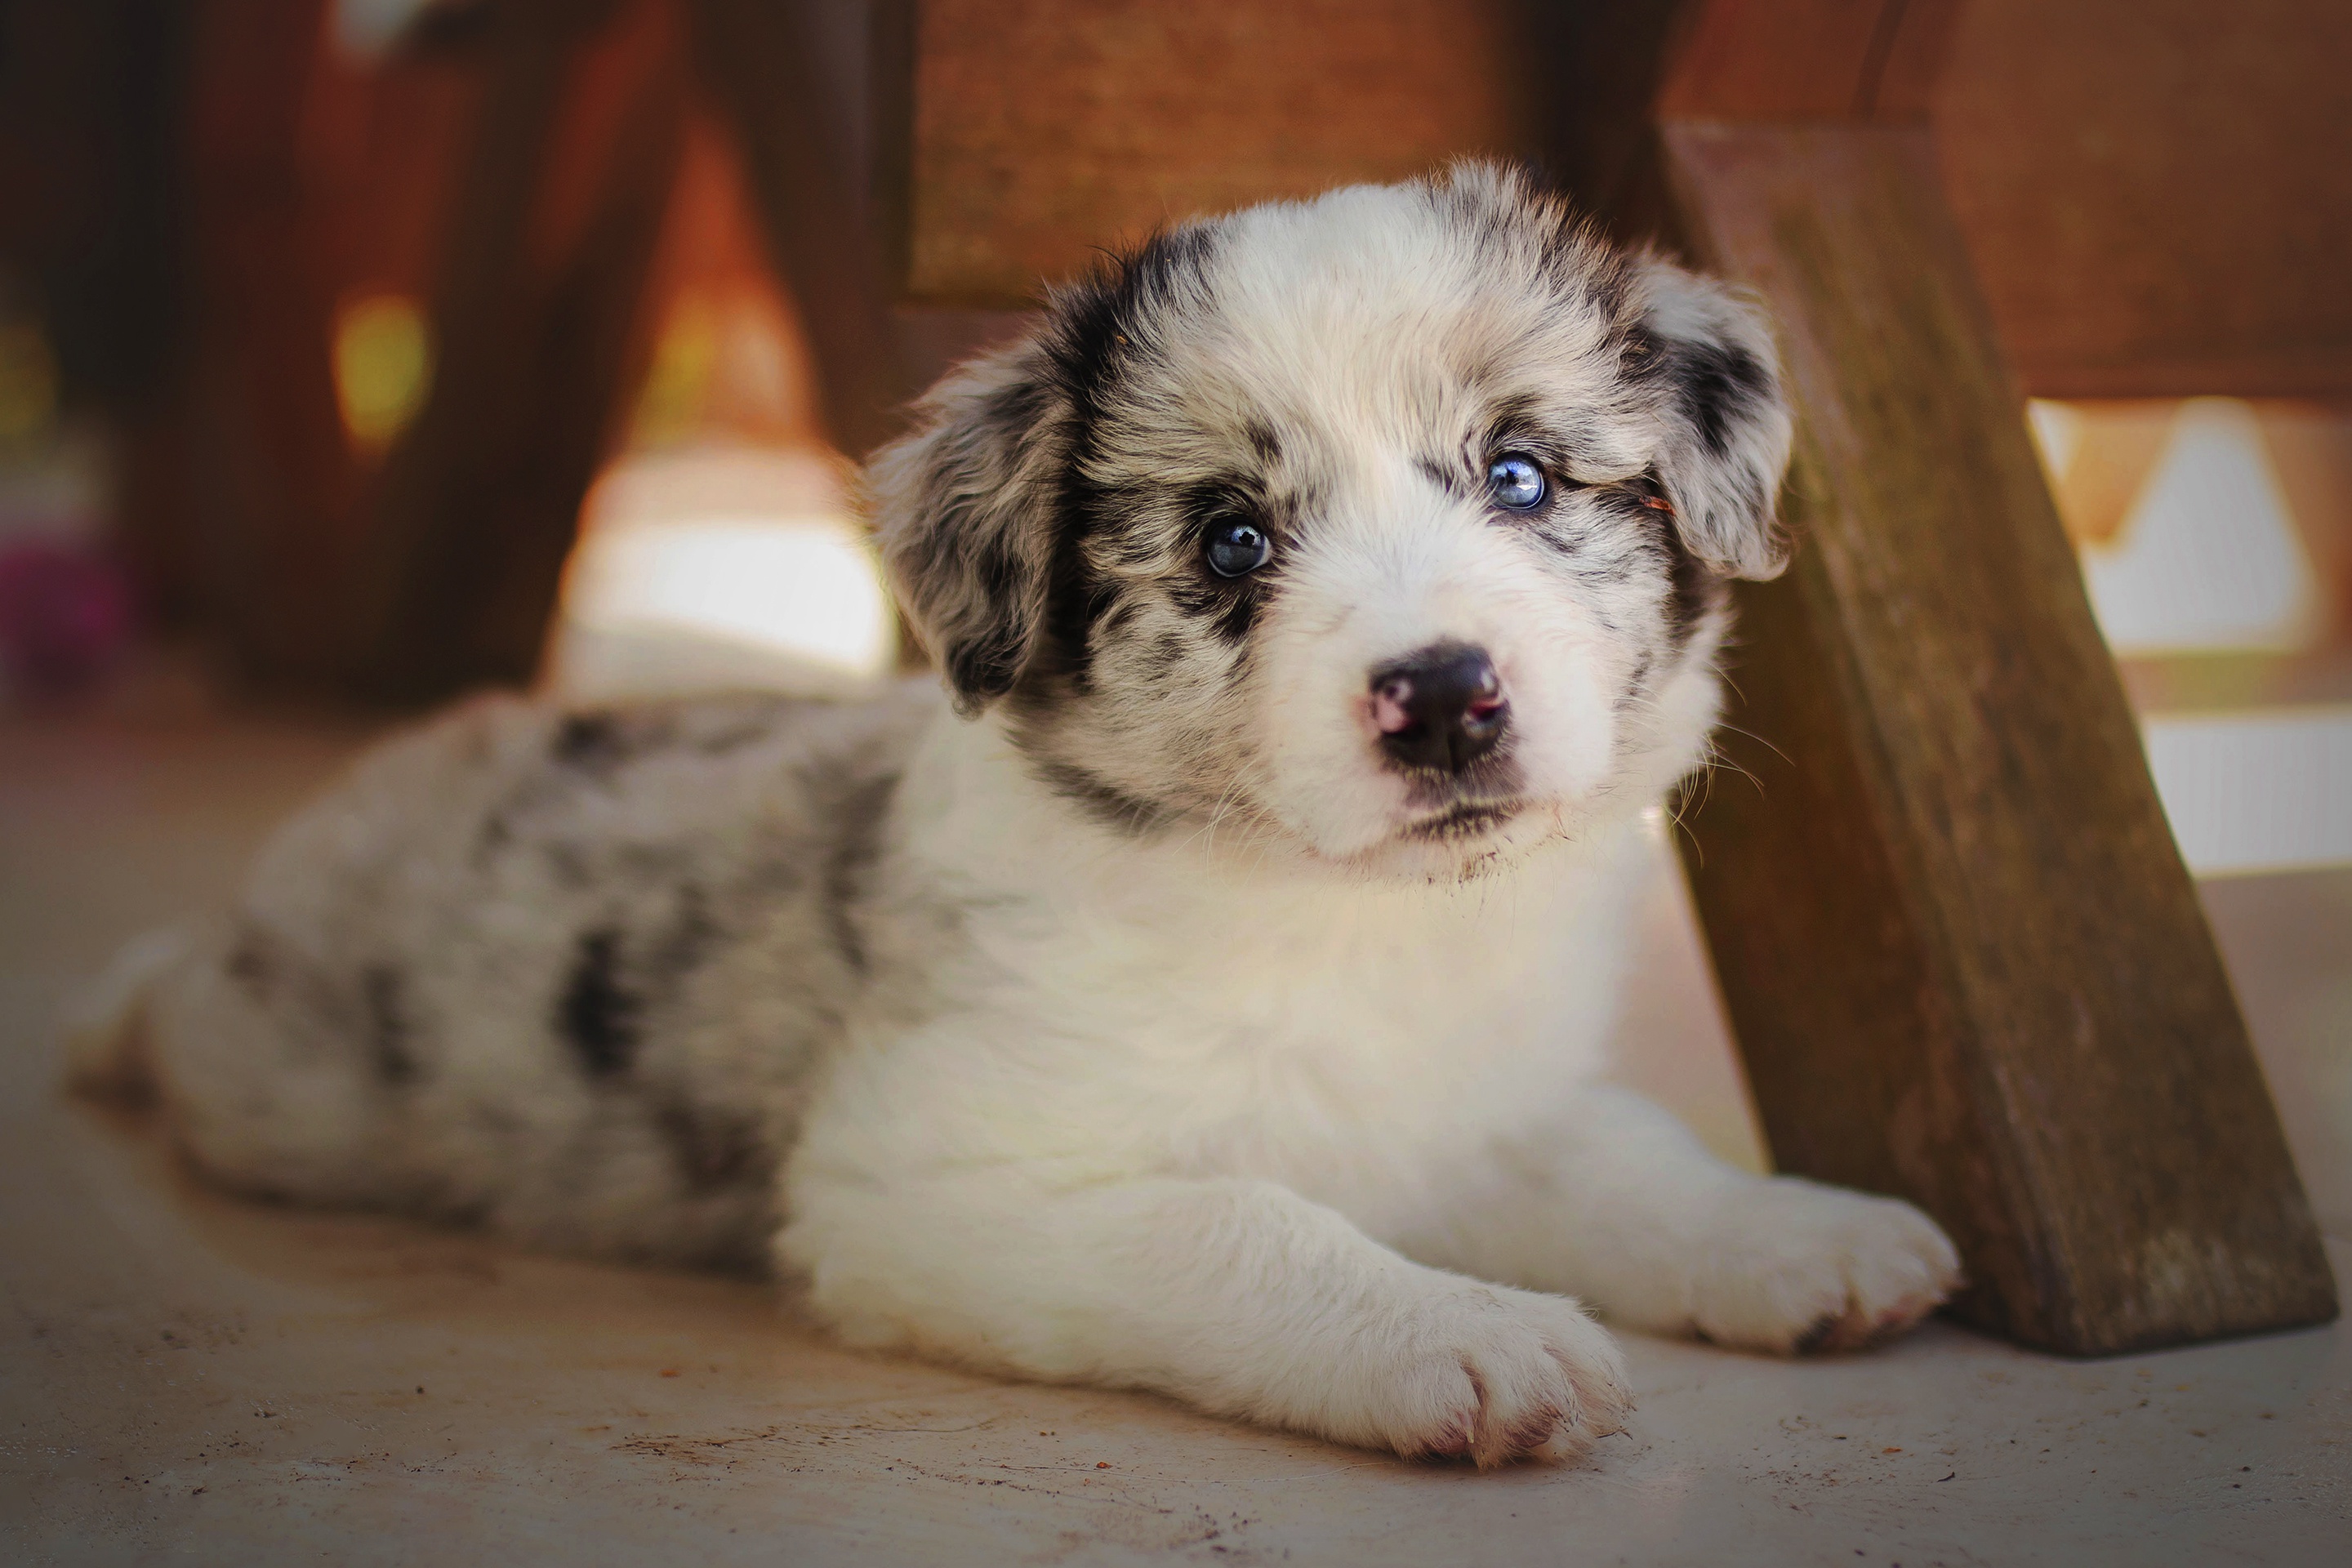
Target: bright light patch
[364,29]
[2057,433]
[383,366]
[798,586]
[712,570]
[2209,557]
[2266,790]
[28,381]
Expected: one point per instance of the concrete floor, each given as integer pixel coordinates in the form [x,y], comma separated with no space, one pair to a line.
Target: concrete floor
[188,1378]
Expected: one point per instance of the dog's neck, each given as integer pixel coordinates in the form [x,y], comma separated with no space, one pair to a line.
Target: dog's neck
[1407,990]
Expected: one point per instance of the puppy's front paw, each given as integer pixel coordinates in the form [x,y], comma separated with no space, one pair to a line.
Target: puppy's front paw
[1489,1373]
[1795,1266]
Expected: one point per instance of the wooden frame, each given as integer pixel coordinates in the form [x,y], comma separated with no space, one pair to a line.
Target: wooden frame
[1960,953]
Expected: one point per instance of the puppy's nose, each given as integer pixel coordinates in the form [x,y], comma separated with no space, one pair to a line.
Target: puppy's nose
[1441,708]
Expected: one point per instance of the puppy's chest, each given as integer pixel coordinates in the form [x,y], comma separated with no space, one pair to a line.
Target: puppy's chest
[1336,1044]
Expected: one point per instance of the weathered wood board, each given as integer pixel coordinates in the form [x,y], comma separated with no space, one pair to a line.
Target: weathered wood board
[1046,129]
[1961,955]
[2154,192]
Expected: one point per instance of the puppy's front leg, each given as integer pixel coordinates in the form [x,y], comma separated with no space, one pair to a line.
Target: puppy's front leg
[1618,1204]
[1240,1297]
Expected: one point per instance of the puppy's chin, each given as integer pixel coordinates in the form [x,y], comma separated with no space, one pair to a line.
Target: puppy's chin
[1460,842]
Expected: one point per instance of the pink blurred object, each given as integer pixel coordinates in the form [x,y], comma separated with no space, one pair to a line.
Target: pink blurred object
[65,617]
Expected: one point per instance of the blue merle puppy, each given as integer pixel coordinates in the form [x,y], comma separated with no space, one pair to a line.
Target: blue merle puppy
[1209,985]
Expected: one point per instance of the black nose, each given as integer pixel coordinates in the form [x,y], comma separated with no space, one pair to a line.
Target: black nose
[1440,709]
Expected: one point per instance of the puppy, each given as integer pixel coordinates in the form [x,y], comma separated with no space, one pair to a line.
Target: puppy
[1208,992]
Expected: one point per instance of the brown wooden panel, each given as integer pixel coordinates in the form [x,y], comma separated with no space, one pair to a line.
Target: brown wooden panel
[2155,192]
[1045,128]
[537,317]
[1807,59]
[757,62]
[1961,955]
[2158,194]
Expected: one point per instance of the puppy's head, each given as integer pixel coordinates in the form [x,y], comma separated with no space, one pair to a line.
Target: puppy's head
[1390,528]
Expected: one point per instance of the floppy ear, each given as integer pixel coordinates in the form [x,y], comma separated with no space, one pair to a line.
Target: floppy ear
[1728,422]
[963,506]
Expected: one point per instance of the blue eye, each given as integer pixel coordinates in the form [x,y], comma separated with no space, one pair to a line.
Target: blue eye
[1515,481]
[1237,548]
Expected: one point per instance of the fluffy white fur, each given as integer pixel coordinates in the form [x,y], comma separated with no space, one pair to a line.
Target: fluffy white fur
[1143,1020]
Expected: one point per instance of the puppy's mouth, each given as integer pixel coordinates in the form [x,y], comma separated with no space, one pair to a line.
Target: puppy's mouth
[1462,819]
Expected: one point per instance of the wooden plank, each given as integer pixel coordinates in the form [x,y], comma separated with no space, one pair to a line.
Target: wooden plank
[1046,129]
[537,320]
[2153,192]
[759,63]
[1963,959]
[270,477]
[1815,60]
[2157,195]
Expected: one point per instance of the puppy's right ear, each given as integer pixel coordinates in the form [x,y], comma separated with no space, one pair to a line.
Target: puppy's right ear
[963,506]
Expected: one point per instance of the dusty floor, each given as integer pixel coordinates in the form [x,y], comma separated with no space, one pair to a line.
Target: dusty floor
[191,1379]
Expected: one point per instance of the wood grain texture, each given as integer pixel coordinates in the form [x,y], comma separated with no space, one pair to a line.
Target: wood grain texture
[551,235]
[1961,955]
[2158,194]
[1046,129]
[760,66]
[1812,60]
[2155,192]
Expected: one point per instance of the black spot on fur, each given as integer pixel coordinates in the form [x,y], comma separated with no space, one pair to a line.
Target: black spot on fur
[1159,662]
[1104,324]
[713,1150]
[1717,387]
[1642,667]
[1445,476]
[1229,609]
[250,964]
[1100,799]
[1263,441]
[597,1015]
[596,744]
[858,817]
[1691,589]
[988,664]
[383,992]
[590,741]
[1085,608]
[492,837]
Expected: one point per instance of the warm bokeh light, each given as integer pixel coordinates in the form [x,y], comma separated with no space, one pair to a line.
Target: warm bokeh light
[383,366]
[28,381]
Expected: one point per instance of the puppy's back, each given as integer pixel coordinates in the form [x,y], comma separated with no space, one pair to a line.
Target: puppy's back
[564,973]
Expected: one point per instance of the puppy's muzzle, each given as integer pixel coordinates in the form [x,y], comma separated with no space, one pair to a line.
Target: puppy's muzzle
[1440,709]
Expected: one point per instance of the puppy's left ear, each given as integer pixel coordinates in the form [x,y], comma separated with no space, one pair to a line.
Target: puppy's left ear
[1727,419]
